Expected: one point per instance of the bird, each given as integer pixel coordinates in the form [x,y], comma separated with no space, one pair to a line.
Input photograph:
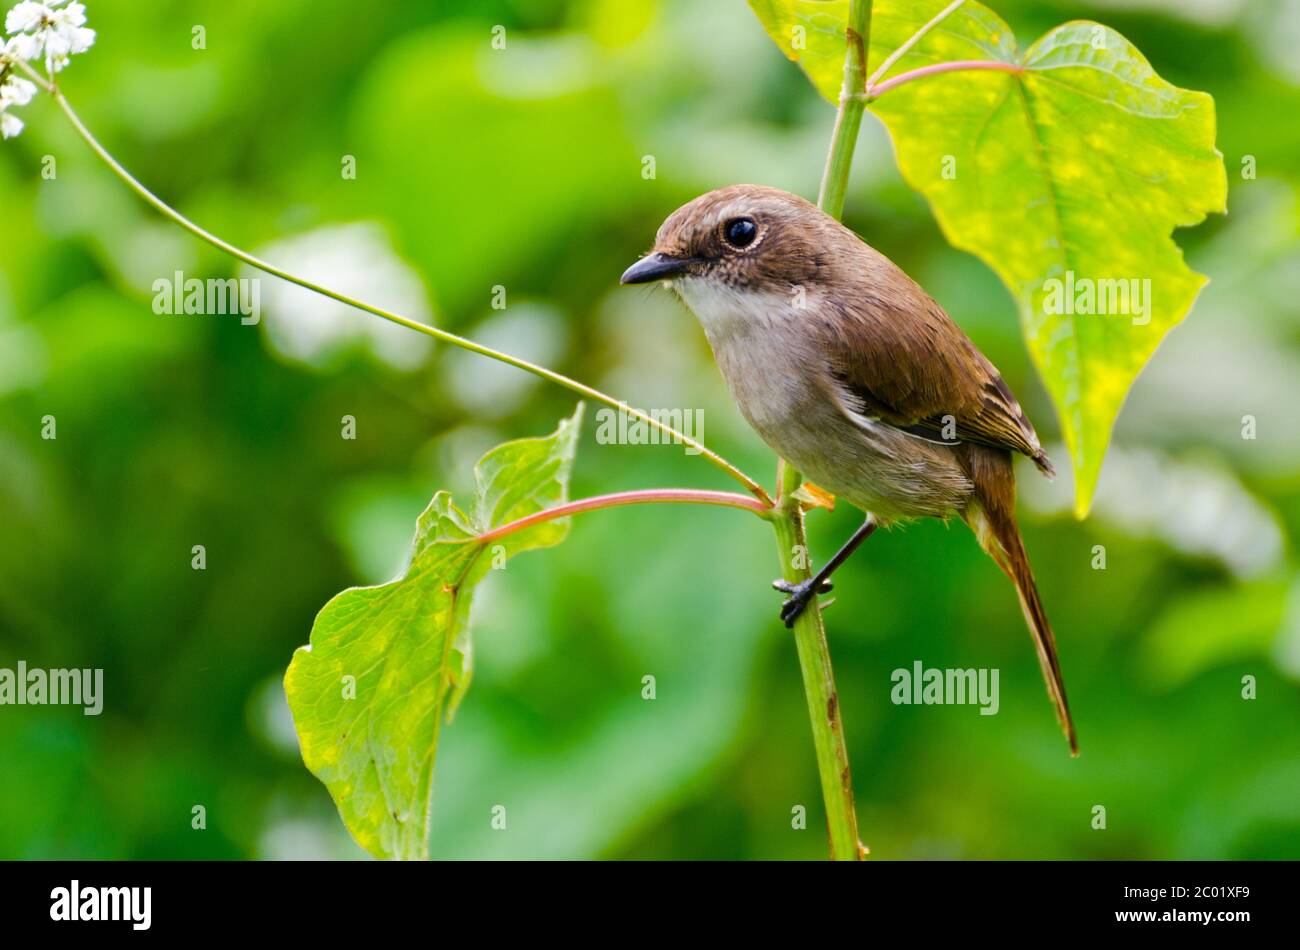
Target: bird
[854,375]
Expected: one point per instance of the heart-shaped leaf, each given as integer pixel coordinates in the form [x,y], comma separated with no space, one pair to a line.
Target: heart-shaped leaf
[1065,169]
[387,664]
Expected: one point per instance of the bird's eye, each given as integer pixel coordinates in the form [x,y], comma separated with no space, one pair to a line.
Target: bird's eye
[740,232]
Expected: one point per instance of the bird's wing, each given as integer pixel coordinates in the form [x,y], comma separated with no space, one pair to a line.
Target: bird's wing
[901,360]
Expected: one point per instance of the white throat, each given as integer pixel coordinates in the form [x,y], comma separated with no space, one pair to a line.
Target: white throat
[726,312]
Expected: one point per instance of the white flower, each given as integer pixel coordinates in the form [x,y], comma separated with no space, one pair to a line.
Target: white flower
[54,29]
[27,46]
[16,91]
[26,16]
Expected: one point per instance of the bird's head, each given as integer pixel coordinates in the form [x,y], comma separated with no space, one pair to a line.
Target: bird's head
[739,243]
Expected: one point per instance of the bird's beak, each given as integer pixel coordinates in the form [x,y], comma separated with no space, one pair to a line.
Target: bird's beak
[656,266]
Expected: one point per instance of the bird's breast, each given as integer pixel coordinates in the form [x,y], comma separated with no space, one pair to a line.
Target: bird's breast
[771,364]
[760,347]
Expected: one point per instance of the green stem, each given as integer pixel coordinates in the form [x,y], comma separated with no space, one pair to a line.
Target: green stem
[442,335]
[809,630]
[818,679]
[835,180]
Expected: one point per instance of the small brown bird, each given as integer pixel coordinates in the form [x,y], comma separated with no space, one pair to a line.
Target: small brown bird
[853,374]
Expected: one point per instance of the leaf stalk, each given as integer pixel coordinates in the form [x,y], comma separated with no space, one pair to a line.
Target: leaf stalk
[649,496]
[934,69]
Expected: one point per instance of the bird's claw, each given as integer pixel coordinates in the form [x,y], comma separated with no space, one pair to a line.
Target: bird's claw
[800,594]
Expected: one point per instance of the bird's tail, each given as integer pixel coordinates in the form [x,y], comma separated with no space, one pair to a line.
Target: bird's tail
[993,519]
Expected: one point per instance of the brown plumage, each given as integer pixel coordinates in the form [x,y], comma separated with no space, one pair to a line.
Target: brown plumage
[855,375]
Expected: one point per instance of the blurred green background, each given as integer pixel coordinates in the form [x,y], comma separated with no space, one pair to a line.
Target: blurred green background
[523,168]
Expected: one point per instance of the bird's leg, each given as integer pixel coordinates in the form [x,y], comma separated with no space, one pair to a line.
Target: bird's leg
[819,583]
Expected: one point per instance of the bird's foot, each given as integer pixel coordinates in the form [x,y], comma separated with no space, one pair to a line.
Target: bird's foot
[800,594]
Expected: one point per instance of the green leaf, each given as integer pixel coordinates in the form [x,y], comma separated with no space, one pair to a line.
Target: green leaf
[1081,162]
[387,664]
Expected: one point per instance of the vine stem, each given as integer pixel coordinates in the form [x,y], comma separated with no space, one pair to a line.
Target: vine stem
[792,544]
[444,336]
